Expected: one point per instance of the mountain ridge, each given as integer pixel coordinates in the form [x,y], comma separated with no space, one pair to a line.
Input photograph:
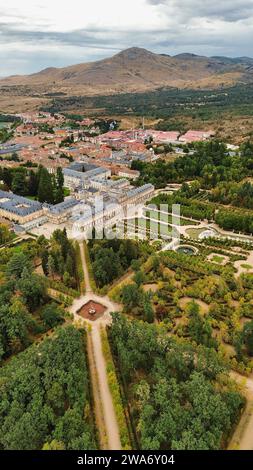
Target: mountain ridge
[132,70]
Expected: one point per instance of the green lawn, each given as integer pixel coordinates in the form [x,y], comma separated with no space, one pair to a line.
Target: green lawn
[194,232]
[246,266]
[168,218]
[217,259]
[66,192]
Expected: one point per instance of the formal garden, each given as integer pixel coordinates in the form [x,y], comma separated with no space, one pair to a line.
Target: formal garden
[195,299]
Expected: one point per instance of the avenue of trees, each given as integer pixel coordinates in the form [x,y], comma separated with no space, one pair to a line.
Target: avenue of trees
[237,219]
[188,207]
[177,395]
[44,395]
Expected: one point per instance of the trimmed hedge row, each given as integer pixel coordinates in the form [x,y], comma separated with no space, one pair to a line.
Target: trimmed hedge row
[90,270]
[58,285]
[115,391]
[79,268]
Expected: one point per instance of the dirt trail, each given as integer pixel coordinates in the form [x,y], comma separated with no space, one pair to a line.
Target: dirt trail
[110,419]
[98,412]
[242,438]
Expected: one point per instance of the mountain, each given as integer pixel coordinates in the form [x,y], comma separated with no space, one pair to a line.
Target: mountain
[132,70]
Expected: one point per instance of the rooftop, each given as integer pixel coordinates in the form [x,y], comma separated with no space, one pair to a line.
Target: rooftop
[17,204]
[63,206]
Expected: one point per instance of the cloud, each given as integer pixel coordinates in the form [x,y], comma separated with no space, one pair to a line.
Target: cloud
[232,10]
[92,38]
[50,33]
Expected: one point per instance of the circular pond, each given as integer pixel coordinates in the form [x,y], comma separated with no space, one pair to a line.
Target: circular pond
[186,250]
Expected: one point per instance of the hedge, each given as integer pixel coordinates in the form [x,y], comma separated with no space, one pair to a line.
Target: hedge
[115,391]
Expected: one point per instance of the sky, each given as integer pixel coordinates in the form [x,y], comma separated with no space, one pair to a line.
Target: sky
[35,34]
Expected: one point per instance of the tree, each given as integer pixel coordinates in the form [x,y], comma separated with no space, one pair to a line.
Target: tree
[51,267]
[54,445]
[148,309]
[32,288]
[58,186]
[44,260]
[139,278]
[45,189]
[16,265]
[7,176]
[59,177]
[33,183]
[199,328]
[131,297]
[4,234]
[52,315]
[247,336]
[19,182]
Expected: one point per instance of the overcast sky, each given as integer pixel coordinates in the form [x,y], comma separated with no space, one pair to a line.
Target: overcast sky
[35,34]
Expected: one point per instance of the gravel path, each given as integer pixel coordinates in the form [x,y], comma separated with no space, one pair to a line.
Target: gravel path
[242,438]
[111,425]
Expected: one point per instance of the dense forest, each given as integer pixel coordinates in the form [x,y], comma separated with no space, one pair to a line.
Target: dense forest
[178,394]
[44,396]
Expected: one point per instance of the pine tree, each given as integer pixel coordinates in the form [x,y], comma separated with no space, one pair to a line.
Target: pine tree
[45,190]
[51,265]
[33,183]
[19,183]
[148,309]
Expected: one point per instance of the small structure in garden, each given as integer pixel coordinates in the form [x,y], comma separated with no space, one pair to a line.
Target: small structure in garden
[92,310]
